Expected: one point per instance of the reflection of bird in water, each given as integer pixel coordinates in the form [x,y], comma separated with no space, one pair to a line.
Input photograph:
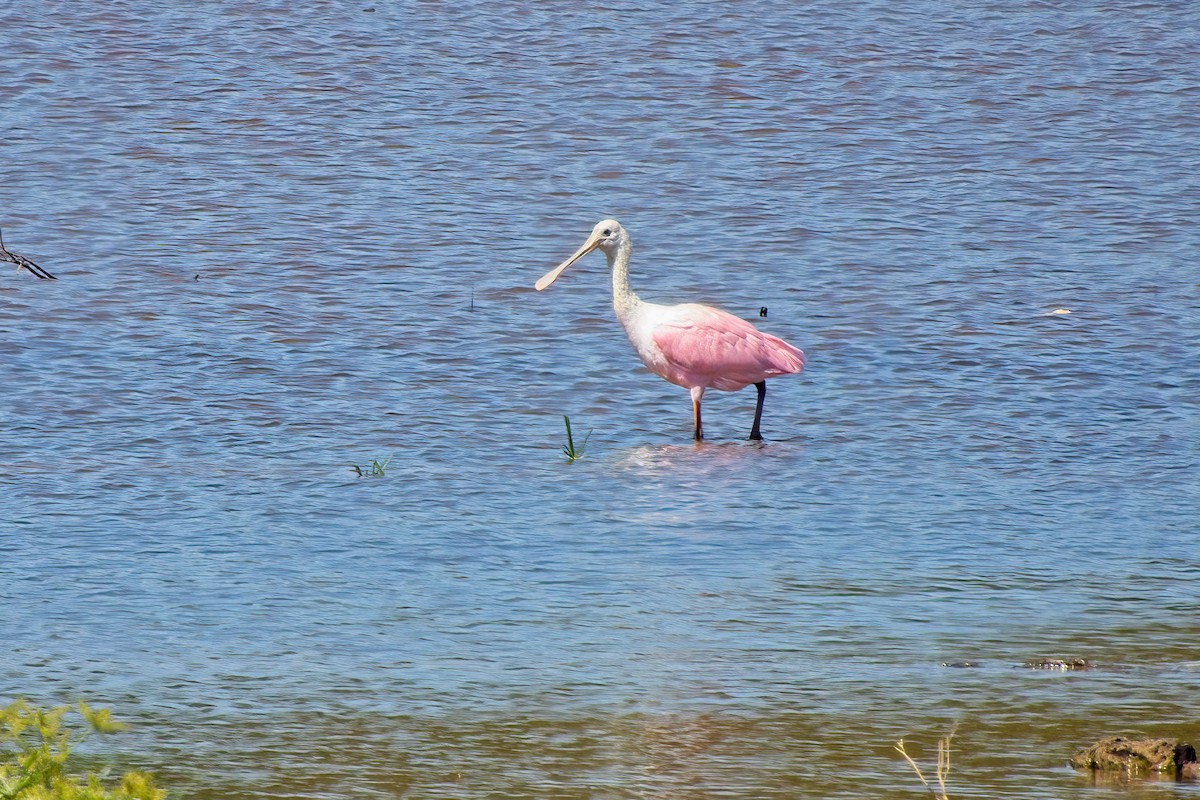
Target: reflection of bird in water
[691,345]
[22,261]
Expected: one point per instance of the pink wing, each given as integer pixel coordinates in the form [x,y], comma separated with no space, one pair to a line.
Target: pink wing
[704,346]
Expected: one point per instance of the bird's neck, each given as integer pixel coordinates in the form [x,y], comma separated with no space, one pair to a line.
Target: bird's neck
[624,300]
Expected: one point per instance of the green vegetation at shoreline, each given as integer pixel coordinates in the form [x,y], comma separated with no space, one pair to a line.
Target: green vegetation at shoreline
[35,746]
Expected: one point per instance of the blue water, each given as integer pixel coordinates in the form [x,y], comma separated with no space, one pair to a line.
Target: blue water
[290,240]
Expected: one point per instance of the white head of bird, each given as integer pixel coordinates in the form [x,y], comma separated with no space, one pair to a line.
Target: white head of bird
[608,236]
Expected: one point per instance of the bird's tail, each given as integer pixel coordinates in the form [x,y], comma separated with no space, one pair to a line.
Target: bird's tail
[785,358]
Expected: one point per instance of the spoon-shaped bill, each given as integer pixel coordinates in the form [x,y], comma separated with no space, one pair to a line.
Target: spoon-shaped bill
[550,277]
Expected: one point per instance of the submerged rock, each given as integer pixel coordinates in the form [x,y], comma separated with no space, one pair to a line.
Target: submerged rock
[1063,664]
[1139,755]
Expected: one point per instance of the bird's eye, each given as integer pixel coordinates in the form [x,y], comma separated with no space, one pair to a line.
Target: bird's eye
[608,232]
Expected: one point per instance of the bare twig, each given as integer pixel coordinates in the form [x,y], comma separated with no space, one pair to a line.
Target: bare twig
[943,765]
[22,261]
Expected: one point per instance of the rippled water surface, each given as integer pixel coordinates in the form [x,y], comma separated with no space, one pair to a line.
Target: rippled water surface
[293,238]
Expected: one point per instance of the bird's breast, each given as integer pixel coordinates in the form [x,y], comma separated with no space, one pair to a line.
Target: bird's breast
[640,323]
[646,325]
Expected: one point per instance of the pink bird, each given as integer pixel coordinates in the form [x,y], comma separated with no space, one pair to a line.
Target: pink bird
[691,345]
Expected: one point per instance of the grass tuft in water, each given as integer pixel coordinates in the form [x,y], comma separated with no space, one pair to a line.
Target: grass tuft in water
[373,470]
[570,451]
[943,766]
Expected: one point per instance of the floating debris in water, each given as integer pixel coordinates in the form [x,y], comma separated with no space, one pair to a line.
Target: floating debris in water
[22,261]
[1061,664]
[1060,311]
[762,312]
[960,664]
[373,470]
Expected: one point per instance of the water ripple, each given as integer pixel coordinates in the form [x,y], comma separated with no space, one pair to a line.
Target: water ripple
[294,239]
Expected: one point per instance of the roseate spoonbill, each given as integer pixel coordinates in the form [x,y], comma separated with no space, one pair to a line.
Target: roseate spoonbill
[22,261]
[691,345]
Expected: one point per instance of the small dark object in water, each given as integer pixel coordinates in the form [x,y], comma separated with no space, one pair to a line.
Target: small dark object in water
[22,261]
[1139,755]
[762,311]
[960,664]
[1062,664]
[197,277]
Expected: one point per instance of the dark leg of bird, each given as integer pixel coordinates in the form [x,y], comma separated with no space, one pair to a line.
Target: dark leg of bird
[762,395]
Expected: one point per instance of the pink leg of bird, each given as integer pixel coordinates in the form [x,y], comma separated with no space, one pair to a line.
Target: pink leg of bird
[697,393]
